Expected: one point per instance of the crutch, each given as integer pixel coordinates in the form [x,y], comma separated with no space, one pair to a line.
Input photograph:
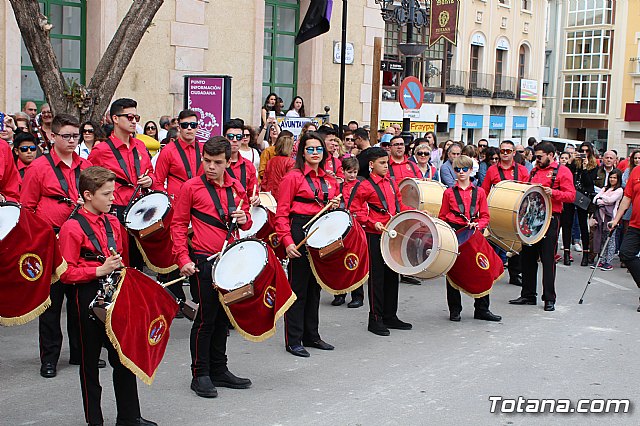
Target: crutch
[597,261]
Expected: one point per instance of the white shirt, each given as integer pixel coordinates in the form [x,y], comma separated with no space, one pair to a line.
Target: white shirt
[253,156]
[162,133]
[82,150]
[292,113]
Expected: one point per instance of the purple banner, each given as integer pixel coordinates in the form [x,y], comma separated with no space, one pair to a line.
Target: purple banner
[205,96]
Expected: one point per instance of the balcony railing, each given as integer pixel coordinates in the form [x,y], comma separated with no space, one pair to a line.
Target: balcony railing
[480,84]
[504,87]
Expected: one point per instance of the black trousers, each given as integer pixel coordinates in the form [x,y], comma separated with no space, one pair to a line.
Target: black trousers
[514,266]
[302,320]
[92,338]
[383,283]
[568,210]
[209,329]
[49,331]
[629,252]
[176,288]
[545,250]
[454,300]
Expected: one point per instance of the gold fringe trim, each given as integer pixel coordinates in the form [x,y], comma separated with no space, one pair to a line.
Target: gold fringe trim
[267,334]
[23,319]
[150,265]
[331,290]
[475,296]
[57,273]
[116,344]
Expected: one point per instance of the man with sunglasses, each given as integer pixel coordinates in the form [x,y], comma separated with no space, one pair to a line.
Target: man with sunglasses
[50,189]
[507,169]
[239,167]
[557,182]
[25,148]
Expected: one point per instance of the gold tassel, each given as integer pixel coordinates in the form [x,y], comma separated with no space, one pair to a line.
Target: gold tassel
[57,273]
[329,289]
[23,319]
[150,265]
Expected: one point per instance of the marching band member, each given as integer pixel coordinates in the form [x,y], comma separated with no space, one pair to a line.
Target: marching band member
[25,149]
[89,234]
[50,189]
[457,210]
[239,167]
[507,169]
[303,193]
[399,165]
[9,177]
[350,167]
[209,203]
[375,201]
[129,159]
[557,182]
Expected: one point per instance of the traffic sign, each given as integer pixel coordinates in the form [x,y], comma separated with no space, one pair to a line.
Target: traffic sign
[411,93]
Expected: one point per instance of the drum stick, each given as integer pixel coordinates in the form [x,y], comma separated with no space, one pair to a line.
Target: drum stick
[255,188]
[304,240]
[324,209]
[135,191]
[392,233]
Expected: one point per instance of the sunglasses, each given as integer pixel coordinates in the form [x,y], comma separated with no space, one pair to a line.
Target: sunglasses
[26,148]
[151,128]
[246,135]
[193,124]
[506,151]
[349,139]
[482,146]
[520,152]
[495,158]
[585,150]
[398,144]
[423,154]
[130,117]
[68,136]
[90,131]
[538,157]
[313,149]
[231,136]
[461,169]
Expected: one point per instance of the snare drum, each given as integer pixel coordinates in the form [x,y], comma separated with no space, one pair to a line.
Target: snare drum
[425,195]
[259,218]
[424,246]
[237,269]
[9,216]
[147,212]
[268,201]
[330,231]
[520,214]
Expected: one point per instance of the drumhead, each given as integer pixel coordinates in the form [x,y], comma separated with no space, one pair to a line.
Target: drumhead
[331,227]
[534,215]
[259,217]
[147,210]
[241,264]
[268,201]
[423,195]
[9,216]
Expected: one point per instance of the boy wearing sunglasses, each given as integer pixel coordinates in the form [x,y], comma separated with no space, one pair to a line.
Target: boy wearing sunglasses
[25,148]
[457,210]
[239,167]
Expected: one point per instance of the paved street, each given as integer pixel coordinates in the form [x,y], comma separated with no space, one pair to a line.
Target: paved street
[438,373]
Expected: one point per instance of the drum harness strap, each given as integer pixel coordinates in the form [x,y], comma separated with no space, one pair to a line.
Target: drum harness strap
[333,164]
[316,199]
[243,172]
[63,182]
[515,172]
[183,156]
[123,165]
[111,242]
[413,168]
[211,220]
[383,200]
[472,208]
[553,176]
[353,191]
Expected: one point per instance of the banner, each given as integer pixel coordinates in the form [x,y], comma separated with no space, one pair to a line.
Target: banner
[444,21]
[316,22]
[295,124]
[31,262]
[416,126]
[210,97]
[138,323]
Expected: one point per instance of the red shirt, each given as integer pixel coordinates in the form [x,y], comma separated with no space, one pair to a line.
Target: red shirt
[632,190]
[294,184]
[22,168]
[563,190]
[347,187]
[207,239]
[623,164]
[276,168]
[41,190]
[73,239]
[450,205]
[334,165]
[9,177]
[493,175]
[171,168]
[251,180]
[403,169]
[101,155]
[366,196]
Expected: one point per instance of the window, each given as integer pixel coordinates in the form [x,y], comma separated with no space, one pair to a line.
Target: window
[280,54]
[546,79]
[474,65]
[499,69]
[526,4]
[586,94]
[588,50]
[590,12]
[67,36]
[522,61]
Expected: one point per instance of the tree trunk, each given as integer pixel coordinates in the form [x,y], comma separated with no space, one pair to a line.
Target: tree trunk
[88,103]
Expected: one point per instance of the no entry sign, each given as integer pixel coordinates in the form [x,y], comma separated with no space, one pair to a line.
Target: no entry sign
[411,93]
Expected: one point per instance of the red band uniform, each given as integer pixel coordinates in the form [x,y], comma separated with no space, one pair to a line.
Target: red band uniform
[9,177]
[404,169]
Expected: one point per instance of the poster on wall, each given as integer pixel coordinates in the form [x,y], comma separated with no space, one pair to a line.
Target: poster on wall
[528,90]
[210,97]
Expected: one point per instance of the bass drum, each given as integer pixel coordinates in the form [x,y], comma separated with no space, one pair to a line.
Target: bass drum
[425,195]
[423,246]
[9,216]
[268,201]
[520,214]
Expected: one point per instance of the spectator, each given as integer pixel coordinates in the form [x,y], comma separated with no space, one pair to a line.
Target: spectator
[87,139]
[353,125]
[532,142]
[483,144]
[25,149]
[270,104]
[436,154]
[279,165]
[349,143]
[608,164]
[491,157]
[30,109]
[22,122]
[607,202]
[151,129]
[472,152]
[447,175]
[165,125]
[46,117]
[270,151]
[269,133]
[361,139]
[422,155]
[634,161]
[8,132]
[248,147]
[296,109]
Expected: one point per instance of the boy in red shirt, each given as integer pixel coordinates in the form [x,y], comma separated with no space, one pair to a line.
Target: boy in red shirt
[25,148]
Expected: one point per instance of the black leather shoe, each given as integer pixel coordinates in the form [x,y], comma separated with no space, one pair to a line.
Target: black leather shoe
[409,280]
[229,380]
[298,350]
[549,306]
[454,316]
[585,259]
[338,300]
[137,422]
[102,363]
[203,387]
[355,303]
[378,327]
[319,344]
[486,316]
[516,280]
[567,258]
[397,324]
[48,370]
[523,301]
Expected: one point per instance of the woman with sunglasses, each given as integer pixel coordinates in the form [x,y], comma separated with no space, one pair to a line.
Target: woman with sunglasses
[349,144]
[87,139]
[491,157]
[151,129]
[422,155]
[304,191]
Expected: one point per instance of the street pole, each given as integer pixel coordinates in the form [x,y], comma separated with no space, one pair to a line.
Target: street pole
[375,90]
[343,66]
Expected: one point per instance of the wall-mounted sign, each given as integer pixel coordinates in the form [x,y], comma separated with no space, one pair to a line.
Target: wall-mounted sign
[391,66]
[497,122]
[210,97]
[416,126]
[503,44]
[528,90]
[472,121]
[478,40]
[337,53]
[519,122]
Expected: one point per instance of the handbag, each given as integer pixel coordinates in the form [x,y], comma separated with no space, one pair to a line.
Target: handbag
[582,201]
